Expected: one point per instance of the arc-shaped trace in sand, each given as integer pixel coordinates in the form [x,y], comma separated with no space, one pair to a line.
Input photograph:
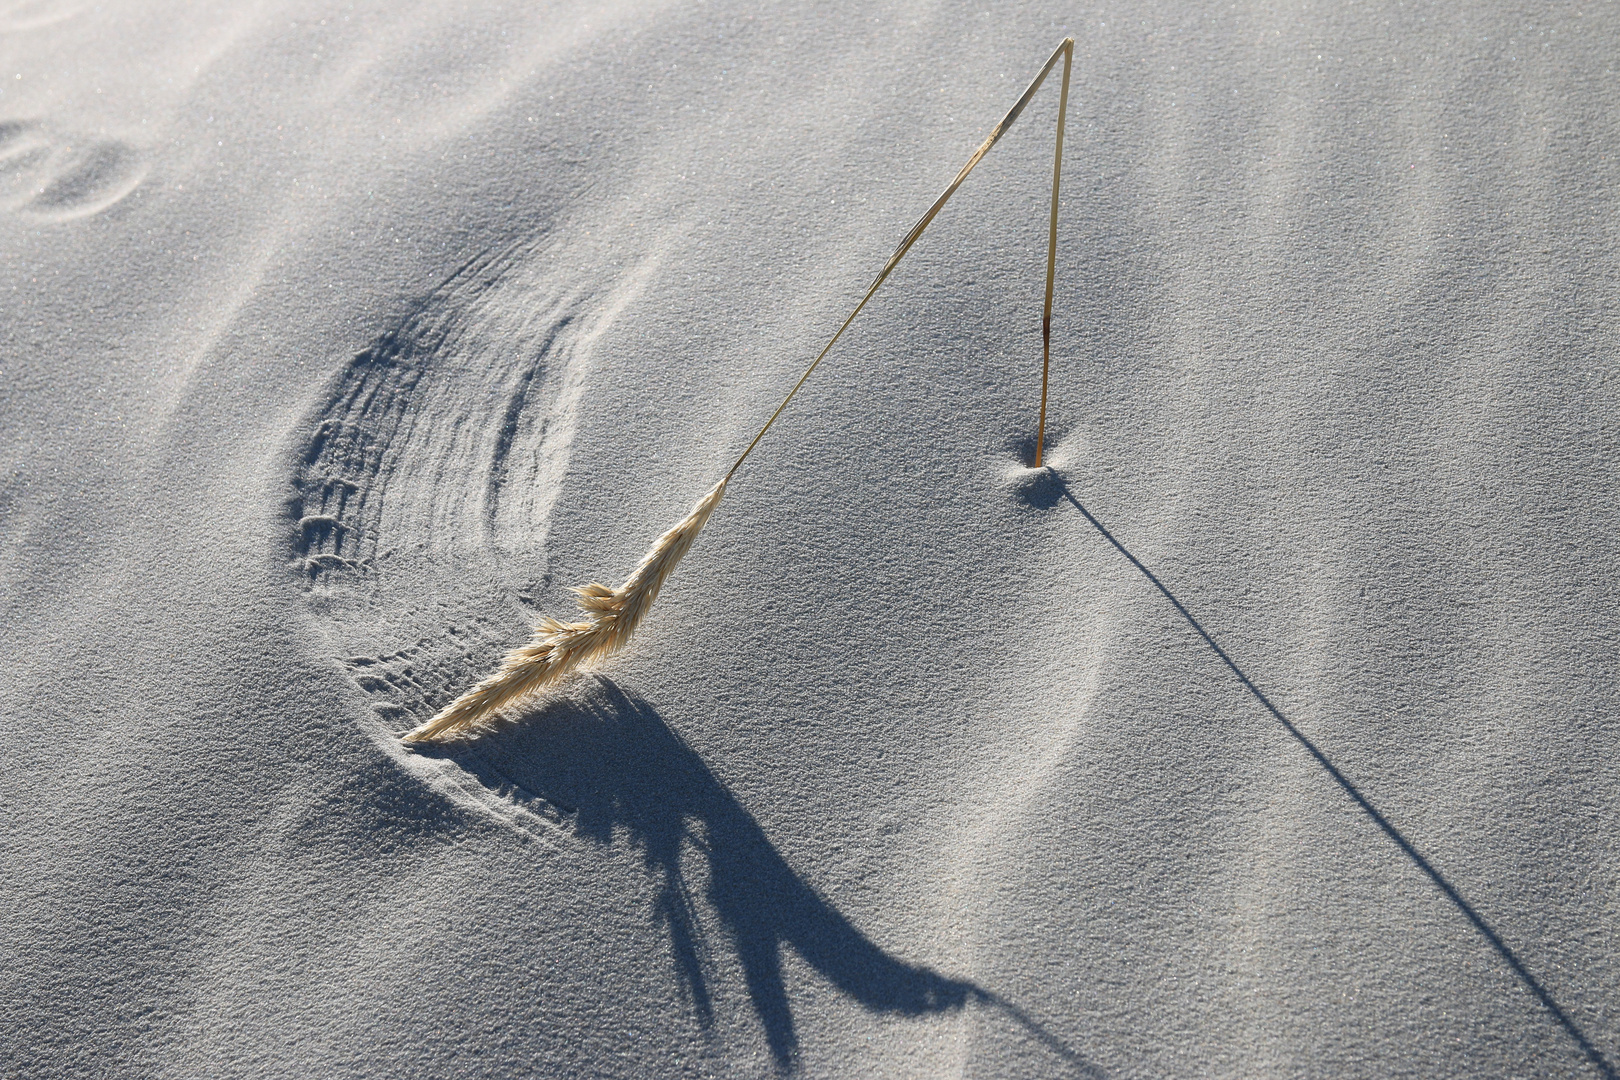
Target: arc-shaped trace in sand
[612,615]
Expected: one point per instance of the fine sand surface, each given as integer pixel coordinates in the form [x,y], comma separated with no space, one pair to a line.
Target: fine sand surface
[1271,732]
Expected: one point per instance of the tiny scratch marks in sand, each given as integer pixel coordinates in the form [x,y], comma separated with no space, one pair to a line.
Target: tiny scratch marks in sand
[339,499]
[410,684]
[513,422]
[418,679]
[510,800]
[422,434]
[49,175]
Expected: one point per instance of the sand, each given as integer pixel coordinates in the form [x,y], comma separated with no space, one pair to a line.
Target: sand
[1270,732]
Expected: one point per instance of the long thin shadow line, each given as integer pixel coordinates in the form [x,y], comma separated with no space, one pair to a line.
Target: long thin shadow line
[1592,1053]
[1081,1066]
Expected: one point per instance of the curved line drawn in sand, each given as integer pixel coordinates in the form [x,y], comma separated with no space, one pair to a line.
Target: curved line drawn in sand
[399,492]
[606,767]
[1047,488]
[49,176]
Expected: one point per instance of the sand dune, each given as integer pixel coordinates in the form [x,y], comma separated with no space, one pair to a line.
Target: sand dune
[1269,732]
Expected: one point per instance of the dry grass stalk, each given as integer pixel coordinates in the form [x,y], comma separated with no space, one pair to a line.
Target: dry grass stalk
[611,616]
[1067,49]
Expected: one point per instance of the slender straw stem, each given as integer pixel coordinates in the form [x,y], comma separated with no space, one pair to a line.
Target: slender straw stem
[1051,247]
[1065,50]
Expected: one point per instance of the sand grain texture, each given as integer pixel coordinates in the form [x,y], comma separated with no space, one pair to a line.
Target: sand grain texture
[336,344]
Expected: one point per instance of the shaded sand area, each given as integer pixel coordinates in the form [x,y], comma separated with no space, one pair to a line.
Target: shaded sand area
[1270,732]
